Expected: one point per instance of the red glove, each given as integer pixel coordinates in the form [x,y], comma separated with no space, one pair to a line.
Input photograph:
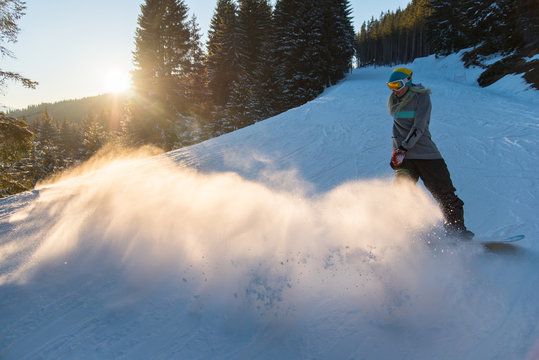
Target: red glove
[398,156]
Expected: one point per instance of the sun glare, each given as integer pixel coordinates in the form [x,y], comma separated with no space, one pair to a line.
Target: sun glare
[116,81]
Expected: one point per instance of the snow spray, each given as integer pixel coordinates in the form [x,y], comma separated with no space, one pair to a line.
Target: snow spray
[219,240]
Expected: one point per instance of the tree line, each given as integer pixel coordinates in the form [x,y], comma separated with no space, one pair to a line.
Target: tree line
[34,150]
[259,61]
[442,27]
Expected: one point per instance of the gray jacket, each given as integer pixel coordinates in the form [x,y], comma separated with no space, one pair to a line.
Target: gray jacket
[411,119]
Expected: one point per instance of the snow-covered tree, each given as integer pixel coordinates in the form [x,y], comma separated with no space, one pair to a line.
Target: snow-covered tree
[252,90]
[222,46]
[163,59]
[313,47]
[337,39]
[10,12]
[195,77]
[448,26]
[297,51]
[94,134]
[15,143]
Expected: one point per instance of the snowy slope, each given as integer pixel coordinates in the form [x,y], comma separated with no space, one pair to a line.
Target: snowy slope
[287,239]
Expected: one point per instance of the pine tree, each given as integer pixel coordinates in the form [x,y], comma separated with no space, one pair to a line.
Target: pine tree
[162,46]
[162,60]
[222,59]
[50,159]
[506,36]
[68,138]
[15,143]
[15,138]
[337,38]
[252,90]
[447,26]
[421,12]
[527,24]
[195,77]
[10,12]
[94,134]
[297,51]
[314,43]
[48,133]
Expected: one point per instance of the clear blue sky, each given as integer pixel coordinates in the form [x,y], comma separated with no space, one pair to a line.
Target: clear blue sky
[75,48]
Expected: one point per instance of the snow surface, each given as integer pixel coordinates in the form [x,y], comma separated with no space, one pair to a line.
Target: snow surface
[287,239]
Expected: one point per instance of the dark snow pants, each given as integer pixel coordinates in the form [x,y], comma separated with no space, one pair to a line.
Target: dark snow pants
[436,178]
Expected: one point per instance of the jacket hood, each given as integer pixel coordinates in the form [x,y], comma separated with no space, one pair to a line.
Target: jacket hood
[394,104]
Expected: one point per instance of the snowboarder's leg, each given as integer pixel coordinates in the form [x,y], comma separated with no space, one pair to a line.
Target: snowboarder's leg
[406,172]
[437,180]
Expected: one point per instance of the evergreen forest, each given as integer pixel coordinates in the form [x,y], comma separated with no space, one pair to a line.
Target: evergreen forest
[482,28]
[259,60]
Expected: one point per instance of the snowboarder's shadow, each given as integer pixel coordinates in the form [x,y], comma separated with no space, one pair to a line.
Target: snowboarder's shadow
[503,248]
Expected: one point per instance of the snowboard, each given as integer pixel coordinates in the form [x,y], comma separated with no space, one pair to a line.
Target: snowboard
[489,243]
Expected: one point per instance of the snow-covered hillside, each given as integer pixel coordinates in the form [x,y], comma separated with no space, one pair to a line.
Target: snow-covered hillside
[287,239]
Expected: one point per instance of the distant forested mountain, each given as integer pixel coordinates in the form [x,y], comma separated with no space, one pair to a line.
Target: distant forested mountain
[75,111]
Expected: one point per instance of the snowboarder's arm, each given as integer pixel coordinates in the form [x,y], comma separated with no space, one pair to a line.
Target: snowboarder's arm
[422,119]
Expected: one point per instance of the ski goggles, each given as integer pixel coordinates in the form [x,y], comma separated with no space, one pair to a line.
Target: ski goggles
[398,84]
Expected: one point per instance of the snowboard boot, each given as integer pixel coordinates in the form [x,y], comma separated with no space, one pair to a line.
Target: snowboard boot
[453,210]
[459,233]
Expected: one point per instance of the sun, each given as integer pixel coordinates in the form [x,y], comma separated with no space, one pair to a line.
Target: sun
[116,81]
